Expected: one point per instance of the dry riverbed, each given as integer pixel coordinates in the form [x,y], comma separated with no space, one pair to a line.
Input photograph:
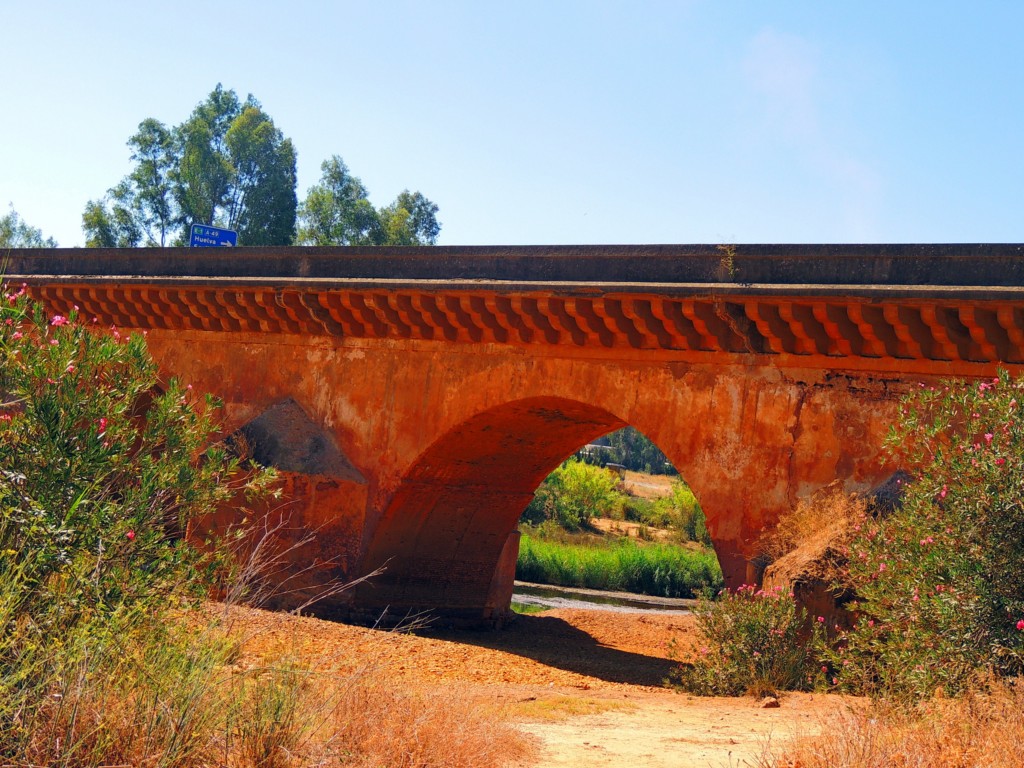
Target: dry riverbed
[588,685]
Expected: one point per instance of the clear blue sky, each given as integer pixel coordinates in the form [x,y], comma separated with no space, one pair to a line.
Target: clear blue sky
[540,121]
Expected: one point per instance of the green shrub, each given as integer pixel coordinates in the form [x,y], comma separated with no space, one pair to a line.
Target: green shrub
[574,493]
[751,644]
[101,468]
[681,511]
[637,510]
[938,580]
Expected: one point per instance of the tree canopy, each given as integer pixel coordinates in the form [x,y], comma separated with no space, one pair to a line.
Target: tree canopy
[16,233]
[337,211]
[228,165]
[634,450]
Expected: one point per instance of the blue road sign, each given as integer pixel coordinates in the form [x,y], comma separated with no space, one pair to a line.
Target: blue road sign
[204,236]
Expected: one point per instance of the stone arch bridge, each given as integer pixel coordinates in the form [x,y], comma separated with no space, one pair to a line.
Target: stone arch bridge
[415,398]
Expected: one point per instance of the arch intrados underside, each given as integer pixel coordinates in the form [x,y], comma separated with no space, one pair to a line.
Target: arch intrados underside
[461,498]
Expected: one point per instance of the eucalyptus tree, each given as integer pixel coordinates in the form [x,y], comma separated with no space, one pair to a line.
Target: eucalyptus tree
[15,232]
[227,165]
[337,211]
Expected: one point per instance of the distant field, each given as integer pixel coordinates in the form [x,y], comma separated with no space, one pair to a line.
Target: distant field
[645,486]
[630,529]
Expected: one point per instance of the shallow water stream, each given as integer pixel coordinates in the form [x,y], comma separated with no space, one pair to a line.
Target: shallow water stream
[551,596]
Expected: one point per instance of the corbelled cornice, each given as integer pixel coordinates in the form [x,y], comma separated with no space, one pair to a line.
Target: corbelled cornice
[873,318]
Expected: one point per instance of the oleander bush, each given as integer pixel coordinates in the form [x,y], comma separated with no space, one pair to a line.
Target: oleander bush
[938,580]
[752,641]
[104,659]
[102,466]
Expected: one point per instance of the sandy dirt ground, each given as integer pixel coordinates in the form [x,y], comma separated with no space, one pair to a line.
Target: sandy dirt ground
[588,685]
[657,729]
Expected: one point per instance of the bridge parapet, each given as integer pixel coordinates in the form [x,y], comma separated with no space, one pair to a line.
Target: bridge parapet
[958,266]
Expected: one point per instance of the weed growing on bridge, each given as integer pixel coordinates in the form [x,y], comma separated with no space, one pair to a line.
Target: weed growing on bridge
[727,262]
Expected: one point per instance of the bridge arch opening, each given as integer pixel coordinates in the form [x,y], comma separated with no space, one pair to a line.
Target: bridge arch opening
[447,541]
[616,483]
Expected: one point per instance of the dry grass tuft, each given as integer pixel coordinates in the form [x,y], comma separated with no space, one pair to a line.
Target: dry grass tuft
[377,724]
[816,521]
[805,541]
[326,713]
[185,697]
[980,729]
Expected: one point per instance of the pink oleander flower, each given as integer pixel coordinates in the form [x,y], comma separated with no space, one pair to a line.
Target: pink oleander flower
[58,320]
[1020,625]
[1000,461]
[130,535]
[988,438]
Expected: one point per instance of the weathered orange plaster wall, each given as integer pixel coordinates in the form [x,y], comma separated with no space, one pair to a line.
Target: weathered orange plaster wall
[748,439]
